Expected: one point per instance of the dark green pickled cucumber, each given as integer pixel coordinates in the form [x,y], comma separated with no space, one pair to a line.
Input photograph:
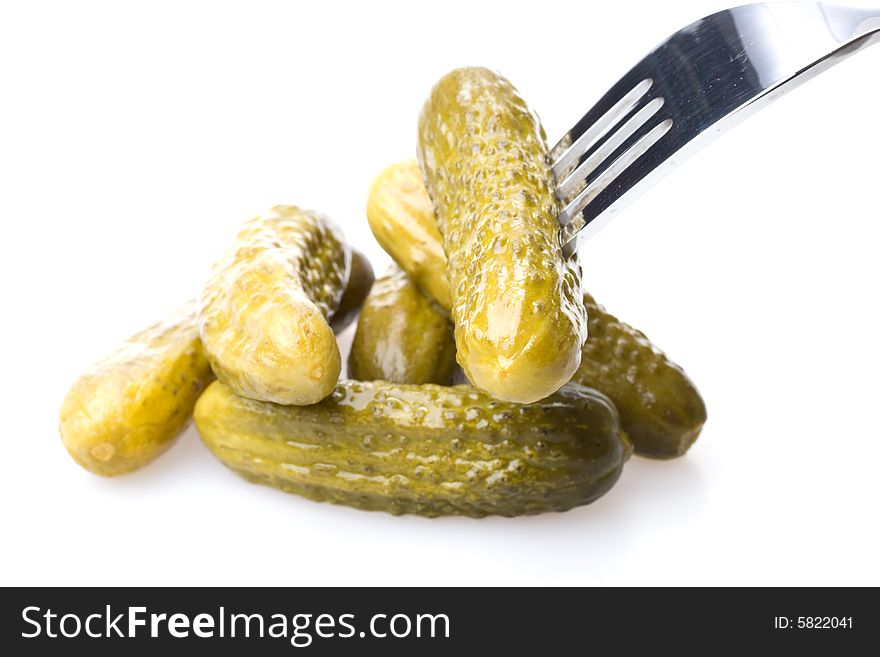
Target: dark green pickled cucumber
[402,336]
[660,407]
[429,450]
[360,281]
[515,298]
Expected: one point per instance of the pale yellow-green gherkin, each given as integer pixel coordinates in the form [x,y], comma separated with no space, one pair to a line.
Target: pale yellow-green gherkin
[515,299]
[264,312]
[401,216]
[129,408]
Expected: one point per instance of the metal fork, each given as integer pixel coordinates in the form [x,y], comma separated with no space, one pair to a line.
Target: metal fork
[695,85]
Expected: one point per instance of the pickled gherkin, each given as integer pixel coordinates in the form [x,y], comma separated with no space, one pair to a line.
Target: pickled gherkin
[264,312]
[402,336]
[401,217]
[131,406]
[516,299]
[429,450]
[660,408]
[360,281]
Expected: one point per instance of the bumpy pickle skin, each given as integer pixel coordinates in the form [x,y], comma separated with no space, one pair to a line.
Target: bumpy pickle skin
[516,300]
[401,216]
[426,450]
[402,336]
[130,407]
[263,314]
[360,281]
[660,408]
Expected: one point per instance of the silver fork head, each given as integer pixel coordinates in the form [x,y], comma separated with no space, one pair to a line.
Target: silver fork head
[700,81]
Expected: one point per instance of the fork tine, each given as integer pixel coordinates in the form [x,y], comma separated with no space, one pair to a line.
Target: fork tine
[577,141]
[574,182]
[570,218]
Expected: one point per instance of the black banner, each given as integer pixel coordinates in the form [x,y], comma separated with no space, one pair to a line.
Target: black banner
[434,621]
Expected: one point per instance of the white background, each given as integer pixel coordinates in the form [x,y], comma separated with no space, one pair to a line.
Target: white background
[136,137]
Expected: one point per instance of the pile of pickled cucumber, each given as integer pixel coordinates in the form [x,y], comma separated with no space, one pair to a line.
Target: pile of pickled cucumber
[558,393]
